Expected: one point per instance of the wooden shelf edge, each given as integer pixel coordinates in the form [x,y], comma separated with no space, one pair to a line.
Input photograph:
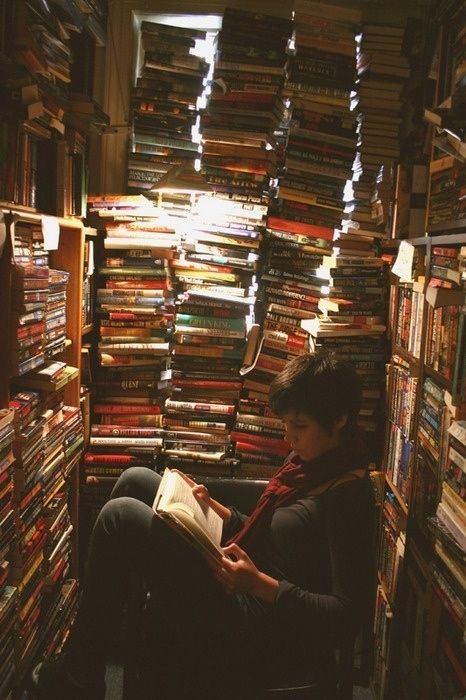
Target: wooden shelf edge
[397,494]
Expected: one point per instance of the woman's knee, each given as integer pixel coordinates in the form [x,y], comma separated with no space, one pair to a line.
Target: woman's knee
[137,482]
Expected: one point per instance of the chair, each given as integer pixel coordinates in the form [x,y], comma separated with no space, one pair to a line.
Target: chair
[243,493]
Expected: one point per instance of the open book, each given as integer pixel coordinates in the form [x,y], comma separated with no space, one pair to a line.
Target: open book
[196,522]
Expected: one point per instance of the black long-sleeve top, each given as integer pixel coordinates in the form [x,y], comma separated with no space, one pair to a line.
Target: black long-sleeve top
[320,548]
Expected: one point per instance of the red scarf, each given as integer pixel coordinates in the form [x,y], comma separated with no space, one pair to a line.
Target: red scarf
[297,478]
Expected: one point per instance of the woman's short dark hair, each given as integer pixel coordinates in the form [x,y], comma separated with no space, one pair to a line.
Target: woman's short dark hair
[321,386]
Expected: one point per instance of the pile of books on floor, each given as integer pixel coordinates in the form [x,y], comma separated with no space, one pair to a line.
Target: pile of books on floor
[164,103]
[134,306]
[8,593]
[245,106]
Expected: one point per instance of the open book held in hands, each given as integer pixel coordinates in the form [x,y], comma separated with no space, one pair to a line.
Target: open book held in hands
[199,524]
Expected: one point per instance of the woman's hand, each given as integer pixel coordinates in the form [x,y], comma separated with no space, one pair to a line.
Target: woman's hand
[238,574]
[201,493]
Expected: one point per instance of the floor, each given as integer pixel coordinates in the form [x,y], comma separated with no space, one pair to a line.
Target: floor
[115,677]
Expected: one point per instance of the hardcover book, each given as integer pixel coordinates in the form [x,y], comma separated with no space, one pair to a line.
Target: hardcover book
[197,523]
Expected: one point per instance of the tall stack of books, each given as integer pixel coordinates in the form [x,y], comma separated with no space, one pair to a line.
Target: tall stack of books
[353,325]
[211,319]
[382,71]
[245,106]
[321,141]
[164,103]
[134,306]
[130,375]
[379,100]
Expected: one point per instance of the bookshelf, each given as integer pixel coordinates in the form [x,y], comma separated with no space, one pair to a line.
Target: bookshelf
[47,441]
[420,624]
[47,55]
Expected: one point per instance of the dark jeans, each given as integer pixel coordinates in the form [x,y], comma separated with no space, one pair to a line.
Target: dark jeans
[197,623]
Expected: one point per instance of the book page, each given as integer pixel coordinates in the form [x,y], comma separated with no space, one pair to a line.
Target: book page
[174,489]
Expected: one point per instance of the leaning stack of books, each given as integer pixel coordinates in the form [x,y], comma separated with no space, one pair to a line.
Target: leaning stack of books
[245,106]
[164,103]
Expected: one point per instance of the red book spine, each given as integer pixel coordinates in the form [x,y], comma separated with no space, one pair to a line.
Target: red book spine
[300,228]
[119,459]
[126,408]
[279,446]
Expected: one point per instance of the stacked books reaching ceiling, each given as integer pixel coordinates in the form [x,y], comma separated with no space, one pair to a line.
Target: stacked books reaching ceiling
[240,133]
[164,103]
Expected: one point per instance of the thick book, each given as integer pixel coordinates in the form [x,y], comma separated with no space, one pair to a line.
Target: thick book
[196,522]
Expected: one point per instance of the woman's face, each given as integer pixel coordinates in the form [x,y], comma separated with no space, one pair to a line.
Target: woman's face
[307,437]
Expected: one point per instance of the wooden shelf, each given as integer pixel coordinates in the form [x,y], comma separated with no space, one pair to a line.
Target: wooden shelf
[405,355]
[437,377]
[397,494]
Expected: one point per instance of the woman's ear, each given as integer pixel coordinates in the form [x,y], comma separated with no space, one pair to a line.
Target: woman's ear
[339,423]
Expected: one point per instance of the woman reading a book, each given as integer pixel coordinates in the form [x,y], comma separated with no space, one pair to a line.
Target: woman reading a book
[294,578]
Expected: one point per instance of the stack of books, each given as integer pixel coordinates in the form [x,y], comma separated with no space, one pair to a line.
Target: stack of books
[321,143]
[245,106]
[209,343]
[352,324]
[165,103]
[382,72]
[135,309]
[291,255]
[30,282]
[380,99]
